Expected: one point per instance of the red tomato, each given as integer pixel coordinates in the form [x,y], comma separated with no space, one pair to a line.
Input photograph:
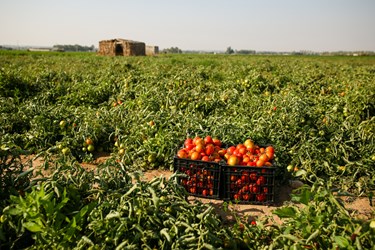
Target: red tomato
[253,176]
[208,140]
[189,146]
[188,141]
[205,192]
[236,197]
[216,142]
[209,149]
[261,197]
[245,197]
[261,180]
[231,149]
[205,158]
[193,190]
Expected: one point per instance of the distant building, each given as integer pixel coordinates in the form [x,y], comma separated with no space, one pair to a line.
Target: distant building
[121,47]
[152,50]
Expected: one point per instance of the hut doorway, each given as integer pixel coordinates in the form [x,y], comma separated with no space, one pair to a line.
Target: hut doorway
[119,50]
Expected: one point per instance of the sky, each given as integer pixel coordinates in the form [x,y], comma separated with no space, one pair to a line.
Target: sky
[261,25]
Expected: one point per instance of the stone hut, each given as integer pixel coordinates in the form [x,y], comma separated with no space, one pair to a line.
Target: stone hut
[152,50]
[121,47]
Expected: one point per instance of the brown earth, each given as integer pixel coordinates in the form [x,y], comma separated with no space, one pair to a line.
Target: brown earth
[359,207]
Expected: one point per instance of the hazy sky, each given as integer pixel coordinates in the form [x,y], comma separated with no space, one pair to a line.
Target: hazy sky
[261,25]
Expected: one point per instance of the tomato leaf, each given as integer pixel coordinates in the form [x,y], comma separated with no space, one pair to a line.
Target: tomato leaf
[33,227]
[285,212]
[341,241]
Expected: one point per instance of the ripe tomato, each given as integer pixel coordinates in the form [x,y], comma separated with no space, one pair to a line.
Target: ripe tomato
[261,197]
[208,140]
[193,190]
[188,141]
[216,142]
[236,197]
[231,149]
[270,151]
[205,158]
[263,157]
[199,148]
[249,144]
[245,197]
[89,141]
[182,154]
[205,192]
[189,146]
[259,163]
[261,180]
[253,176]
[195,155]
[209,149]
[233,160]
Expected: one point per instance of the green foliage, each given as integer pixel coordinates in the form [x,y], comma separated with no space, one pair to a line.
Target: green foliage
[318,112]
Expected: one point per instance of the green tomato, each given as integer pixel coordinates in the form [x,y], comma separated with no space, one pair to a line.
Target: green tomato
[90,148]
[62,123]
[290,168]
[65,151]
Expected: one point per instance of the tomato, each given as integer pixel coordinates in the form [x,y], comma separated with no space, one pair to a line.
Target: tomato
[254,188]
[205,192]
[222,152]
[205,158]
[189,146]
[208,140]
[245,197]
[195,155]
[261,180]
[261,197]
[198,141]
[216,142]
[249,144]
[209,149]
[65,151]
[188,141]
[199,148]
[233,178]
[89,141]
[211,191]
[193,190]
[270,151]
[263,157]
[90,148]
[259,163]
[236,197]
[231,149]
[182,154]
[245,178]
[62,123]
[233,160]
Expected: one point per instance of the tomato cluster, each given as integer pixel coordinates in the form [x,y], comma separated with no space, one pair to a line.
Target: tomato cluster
[243,154]
[200,180]
[249,185]
[205,149]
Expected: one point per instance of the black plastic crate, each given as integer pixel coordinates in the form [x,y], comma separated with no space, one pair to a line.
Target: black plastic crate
[203,179]
[249,185]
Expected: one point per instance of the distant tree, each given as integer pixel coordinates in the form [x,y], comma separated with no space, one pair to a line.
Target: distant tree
[75,47]
[229,50]
[172,50]
[245,52]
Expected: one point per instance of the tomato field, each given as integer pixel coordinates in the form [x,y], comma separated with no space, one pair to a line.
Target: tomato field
[66,108]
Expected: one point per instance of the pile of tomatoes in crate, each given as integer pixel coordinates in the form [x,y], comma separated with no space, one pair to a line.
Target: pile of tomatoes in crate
[242,172]
[243,154]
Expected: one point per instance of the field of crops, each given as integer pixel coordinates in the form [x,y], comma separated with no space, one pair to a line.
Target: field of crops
[67,108]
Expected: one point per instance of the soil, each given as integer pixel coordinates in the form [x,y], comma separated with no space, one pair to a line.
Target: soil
[359,207]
